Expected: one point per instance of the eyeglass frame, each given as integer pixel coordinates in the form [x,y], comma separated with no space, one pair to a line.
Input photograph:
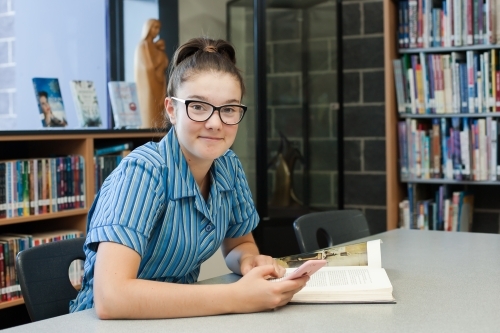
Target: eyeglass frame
[214,108]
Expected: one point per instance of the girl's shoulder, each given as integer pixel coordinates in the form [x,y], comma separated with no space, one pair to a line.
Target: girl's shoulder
[148,154]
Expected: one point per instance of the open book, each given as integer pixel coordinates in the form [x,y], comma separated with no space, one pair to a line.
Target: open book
[353,274]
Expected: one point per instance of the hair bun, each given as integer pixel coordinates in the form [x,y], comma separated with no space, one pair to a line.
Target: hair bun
[210,48]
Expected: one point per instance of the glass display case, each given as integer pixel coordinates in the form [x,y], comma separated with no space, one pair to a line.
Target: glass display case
[290,141]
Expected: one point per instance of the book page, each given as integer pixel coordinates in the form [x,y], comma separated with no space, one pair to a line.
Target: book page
[359,254]
[346,280]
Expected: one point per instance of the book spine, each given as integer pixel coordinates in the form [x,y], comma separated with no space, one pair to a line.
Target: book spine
[494,148]
[406,19]
[493,80]
[430,77]
[483,151]
[3,285]
[413,22]
[400,25]
[398,79]
[457,23]
[3,191]
[470,22]
[19,188]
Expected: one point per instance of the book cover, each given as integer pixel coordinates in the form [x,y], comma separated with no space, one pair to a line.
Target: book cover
[125,104]
[86,105]
[50,102]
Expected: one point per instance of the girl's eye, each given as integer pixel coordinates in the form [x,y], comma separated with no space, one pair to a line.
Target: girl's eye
[228,110]
[198,107]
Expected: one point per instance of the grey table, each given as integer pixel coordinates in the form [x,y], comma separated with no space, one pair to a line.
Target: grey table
[443,282]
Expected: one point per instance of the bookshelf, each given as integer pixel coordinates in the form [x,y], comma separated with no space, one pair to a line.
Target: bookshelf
[16,145]
[397,185]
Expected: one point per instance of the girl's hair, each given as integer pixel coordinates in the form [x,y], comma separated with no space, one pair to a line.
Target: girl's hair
[200,55]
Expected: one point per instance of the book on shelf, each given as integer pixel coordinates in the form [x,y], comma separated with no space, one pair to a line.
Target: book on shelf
[124,104]
[11,244]
[86,105]
[50,102]
[122,148]
[353,274]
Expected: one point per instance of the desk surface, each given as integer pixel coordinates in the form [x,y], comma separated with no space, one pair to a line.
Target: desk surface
[443,282]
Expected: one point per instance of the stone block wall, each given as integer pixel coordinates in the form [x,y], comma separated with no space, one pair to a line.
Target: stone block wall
[364,115]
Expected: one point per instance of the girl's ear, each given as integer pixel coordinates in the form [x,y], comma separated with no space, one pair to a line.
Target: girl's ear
[169,107]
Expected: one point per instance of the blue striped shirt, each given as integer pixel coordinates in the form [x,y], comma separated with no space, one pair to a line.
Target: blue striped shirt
[152,204]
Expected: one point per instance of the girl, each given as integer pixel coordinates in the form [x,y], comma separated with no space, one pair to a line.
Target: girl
[170,205]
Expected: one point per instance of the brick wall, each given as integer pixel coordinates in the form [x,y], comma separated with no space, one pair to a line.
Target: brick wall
[364,119]
[7,64]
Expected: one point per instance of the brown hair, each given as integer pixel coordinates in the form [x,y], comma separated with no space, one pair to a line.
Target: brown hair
[201,55]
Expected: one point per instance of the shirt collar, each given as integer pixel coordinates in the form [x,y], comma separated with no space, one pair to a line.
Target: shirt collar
[180,178]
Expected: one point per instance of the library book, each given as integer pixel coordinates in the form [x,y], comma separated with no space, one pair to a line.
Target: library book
[352,274]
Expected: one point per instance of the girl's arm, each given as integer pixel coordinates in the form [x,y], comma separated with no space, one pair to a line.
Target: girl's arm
[119,294]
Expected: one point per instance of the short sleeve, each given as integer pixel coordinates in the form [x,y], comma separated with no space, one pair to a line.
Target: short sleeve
[128,206]
[245,217]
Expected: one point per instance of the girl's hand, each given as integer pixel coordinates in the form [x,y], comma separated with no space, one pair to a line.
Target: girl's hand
[252,261]
[254,293]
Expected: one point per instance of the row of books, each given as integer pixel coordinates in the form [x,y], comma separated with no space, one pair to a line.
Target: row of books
[456,148]
[123,96]
[12,244]
[429,23]
[459,82]
[442,211]
[106,160]
[40,186]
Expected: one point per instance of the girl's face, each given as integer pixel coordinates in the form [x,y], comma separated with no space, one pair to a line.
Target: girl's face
[204,141]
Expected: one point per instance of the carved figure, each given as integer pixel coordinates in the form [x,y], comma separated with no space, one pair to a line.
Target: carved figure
[150,64]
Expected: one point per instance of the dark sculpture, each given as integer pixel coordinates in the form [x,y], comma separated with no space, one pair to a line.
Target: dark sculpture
[284,161]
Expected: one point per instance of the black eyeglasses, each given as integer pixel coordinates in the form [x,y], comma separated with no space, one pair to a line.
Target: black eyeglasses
[230,114]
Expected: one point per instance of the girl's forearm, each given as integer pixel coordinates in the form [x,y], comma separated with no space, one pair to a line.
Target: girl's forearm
[143,299]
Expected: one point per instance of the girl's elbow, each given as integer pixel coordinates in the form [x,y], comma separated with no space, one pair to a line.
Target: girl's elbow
[105,307]
[102,311]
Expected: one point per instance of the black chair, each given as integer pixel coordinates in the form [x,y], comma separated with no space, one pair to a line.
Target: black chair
[324,229]
[43,276]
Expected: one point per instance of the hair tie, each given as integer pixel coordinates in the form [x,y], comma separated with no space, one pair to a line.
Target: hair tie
[210,48]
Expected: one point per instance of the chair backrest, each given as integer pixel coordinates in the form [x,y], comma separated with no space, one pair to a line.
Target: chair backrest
[43,276]
[334,227]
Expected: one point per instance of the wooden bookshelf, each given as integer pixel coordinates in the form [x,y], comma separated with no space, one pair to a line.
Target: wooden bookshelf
[16,145]
[397,187]
[8,304]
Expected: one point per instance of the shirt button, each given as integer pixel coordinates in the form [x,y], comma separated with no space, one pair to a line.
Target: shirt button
[208,227]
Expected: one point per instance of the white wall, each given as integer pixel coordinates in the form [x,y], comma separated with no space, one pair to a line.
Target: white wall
[202,18]
[68,43]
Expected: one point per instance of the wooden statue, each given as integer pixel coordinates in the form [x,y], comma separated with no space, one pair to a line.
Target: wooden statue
[150,65]
[284,160]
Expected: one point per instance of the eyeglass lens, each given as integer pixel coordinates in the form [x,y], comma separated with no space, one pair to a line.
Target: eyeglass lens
[199,111]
